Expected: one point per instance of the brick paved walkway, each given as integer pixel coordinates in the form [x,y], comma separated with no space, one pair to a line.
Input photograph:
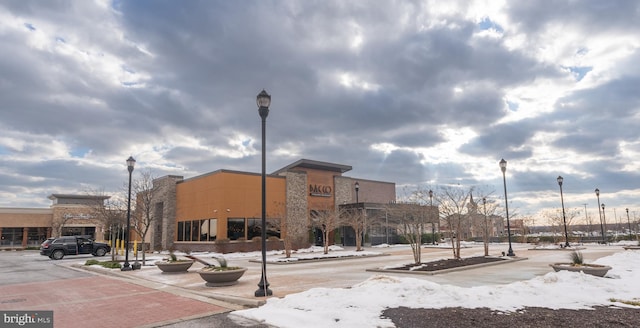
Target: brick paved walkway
[103,302]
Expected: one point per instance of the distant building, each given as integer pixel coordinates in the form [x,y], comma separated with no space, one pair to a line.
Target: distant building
[68,215]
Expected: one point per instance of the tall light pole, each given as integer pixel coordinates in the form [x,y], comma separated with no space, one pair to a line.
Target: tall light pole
[433,224]
[604,237]
[357,188]
[127,267]
[264,100]
[604,218]
[503,167]
[564,218]
[628,222]
[486,227]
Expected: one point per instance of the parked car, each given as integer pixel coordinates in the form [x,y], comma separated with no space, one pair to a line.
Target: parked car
[57,247]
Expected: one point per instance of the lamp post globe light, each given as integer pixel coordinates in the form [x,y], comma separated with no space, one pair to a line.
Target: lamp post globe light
[433,225]
[604,238]
[503,167]
[127,267]
[263,101]
[564,218]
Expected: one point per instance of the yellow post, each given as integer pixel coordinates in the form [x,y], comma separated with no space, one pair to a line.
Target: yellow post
[117,247]
[135,247]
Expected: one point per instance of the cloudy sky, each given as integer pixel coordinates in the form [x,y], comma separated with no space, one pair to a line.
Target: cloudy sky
[420,93]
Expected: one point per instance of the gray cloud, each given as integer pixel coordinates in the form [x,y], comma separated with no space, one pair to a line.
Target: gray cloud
[175,85]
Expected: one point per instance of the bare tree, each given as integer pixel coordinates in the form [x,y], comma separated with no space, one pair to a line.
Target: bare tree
[111,212]
[57,225]
[143,215]
[290,228]
[452,204]
[557,222]
[410,217]
[488,208]
[355,218]
[327,220]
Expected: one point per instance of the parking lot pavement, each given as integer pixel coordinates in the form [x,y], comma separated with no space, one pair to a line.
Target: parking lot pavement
[286,279]
[150,298]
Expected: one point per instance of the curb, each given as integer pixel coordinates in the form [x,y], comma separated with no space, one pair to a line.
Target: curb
[462,268]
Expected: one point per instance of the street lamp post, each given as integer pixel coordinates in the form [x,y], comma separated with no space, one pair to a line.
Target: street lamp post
[433,225]
[486,227]
[127,267]
[604,218]
[263,100]
[564,219]
[604,237]
[503,167]
[357,188]
[628,222]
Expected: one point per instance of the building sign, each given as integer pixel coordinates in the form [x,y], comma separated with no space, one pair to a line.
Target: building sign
[320,190]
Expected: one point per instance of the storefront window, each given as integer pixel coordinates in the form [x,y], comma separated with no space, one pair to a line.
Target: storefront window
[235,228]
[187,230]
[180,231]
[208,230]
[195,230]
[273,228]
[11,237]
[36,236]
[254,227]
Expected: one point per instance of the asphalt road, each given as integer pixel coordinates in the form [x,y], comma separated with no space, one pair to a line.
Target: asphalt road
[17,267]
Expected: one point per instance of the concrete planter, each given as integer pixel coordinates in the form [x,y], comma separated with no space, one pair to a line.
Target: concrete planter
[173,267]
[215,278]
[592,269]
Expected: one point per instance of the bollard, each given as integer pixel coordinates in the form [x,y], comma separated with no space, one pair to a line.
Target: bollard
[135,247]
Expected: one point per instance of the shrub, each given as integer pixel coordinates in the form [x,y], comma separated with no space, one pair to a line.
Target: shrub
[92,262]
[111,265]
[576,258]
[106,264]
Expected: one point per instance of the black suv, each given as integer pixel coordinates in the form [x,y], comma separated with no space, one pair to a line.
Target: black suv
[57,248]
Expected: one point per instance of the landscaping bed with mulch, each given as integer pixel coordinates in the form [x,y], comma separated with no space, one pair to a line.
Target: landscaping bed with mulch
[449,264]
[528,317]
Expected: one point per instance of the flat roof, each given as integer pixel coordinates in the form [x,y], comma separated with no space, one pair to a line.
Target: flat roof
[71,196]
[316,165]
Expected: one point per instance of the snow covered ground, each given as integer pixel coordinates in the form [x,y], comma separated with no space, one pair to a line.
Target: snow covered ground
[364,302]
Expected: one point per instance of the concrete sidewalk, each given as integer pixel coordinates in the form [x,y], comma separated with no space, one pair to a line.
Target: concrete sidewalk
[286,279]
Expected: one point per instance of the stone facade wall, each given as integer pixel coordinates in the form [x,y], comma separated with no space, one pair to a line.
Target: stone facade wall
[344,191]
[164,212]
[297,208]
[76,216]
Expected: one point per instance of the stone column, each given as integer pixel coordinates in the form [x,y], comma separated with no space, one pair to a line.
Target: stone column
[164,214]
